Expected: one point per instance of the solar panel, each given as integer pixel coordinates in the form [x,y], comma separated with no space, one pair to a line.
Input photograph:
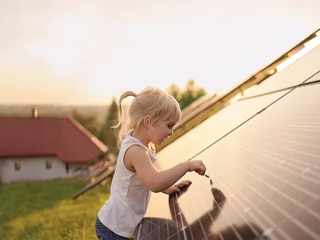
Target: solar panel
[263,160]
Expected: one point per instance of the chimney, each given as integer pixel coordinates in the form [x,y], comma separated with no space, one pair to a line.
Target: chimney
[35,112]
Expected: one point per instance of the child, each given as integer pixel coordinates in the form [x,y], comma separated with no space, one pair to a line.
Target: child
[151,117]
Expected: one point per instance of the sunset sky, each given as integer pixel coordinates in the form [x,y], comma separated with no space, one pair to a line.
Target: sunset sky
[85,52]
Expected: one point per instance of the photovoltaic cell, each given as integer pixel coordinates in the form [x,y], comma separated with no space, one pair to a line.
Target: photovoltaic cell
[265,174]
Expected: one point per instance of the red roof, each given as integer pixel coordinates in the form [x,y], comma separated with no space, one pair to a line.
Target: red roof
[48,136]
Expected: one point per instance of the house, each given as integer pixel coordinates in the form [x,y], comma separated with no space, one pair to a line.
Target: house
[42,148]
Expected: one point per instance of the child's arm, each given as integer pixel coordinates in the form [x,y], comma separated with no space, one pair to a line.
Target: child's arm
[136,157]
[176,187]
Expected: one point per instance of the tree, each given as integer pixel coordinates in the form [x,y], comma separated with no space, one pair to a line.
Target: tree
[174,91]
[188,95]
[89,122]
[107,134]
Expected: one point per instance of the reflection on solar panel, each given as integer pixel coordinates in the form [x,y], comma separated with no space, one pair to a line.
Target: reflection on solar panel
[263,159]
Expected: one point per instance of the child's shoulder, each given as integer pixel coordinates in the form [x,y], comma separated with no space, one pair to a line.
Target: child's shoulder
[130,141]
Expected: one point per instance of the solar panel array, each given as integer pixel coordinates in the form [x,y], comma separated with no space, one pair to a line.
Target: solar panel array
[263,163]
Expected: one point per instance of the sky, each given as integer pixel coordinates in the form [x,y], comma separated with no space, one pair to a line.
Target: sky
[86,52]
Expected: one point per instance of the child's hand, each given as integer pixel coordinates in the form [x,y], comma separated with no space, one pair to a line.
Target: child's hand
[197,166]
[176,187]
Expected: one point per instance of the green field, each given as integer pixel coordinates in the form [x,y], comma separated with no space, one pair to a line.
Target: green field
[43,211]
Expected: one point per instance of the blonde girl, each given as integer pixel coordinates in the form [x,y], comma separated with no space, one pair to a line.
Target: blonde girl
[151,117]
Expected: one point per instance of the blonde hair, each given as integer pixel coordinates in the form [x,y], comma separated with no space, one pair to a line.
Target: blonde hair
[151,101]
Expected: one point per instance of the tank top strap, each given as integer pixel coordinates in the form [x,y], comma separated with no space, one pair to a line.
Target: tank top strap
[129,140]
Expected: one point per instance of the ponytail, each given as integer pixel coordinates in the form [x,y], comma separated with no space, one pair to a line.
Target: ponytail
[120,113]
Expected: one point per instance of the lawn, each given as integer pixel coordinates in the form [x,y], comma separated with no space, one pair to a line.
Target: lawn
[43,211]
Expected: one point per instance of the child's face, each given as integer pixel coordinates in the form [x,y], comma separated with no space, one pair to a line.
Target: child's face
[159,131]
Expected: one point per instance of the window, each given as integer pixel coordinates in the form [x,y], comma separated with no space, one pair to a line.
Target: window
[17,166]
[48,164]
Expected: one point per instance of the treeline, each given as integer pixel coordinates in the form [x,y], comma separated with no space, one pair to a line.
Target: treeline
[108,135]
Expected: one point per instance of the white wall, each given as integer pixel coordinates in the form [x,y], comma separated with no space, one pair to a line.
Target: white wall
[34,168]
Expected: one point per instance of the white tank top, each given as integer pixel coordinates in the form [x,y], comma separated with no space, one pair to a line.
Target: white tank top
[129,198]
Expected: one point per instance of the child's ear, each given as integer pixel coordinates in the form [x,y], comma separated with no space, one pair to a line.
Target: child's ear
[147,120]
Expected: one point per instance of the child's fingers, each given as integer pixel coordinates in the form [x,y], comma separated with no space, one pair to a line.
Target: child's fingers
[201,171]
[175,189]
[185,182]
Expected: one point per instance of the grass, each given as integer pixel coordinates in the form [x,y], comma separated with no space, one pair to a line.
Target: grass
[34,211]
